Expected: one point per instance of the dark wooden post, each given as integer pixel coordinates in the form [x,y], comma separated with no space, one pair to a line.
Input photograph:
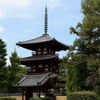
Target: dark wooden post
[29,94]
[39,92]
[22,93]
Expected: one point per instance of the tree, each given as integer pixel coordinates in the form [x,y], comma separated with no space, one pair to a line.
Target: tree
[15,72]
[93,25]
[76,77]
[62,76]
[84,55]
[2,54]
[3,69]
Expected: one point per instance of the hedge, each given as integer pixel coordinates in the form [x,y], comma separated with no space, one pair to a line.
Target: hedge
[45,98]
[42,98]
[82,95]
[34,99]
[8,99]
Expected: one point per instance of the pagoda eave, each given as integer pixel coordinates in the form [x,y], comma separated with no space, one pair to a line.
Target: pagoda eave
[45,39]
[38,58]
[32,59]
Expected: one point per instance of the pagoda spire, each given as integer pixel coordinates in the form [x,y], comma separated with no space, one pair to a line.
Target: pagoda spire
[46,21]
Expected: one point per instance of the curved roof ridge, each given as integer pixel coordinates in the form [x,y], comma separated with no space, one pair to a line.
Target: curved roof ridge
[42,79]
[21,80]
[43,38]
[62,43]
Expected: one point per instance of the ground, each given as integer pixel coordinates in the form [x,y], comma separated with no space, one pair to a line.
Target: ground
[17,97]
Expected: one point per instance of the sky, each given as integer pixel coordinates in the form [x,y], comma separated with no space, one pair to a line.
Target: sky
[22,20]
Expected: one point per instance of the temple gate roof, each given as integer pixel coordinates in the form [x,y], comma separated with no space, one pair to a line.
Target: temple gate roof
[37,80]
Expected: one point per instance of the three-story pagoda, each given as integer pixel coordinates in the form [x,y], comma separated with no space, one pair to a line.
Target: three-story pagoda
[43,65]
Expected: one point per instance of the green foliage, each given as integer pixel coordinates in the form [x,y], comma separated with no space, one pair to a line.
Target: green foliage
[3,79]
[91,7]
[15,62]
[45,98]
[8,99]
[41,98]
[84,55]
[33,99]
[3,69]
[15,72]
[9,75]
[62,77]
[2,54]
[82,96]
[76,78]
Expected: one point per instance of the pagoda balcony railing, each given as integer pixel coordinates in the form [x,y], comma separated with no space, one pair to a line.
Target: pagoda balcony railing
[34,54]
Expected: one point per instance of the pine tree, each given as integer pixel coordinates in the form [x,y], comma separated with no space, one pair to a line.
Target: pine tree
[84,55]
[2,54]
[15,71]
[92,26]
[62,76]
[3,69]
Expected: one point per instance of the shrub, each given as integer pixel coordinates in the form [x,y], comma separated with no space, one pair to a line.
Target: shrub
[82,95]
[34,99]
[45,98]
[42,98]
[8,99]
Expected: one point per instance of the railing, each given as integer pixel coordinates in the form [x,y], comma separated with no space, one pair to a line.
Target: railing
[34,53]
[10,94]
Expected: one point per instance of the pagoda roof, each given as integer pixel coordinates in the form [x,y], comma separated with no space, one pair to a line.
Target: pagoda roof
[37,80]
[45,38]
[25,60]
[39,57]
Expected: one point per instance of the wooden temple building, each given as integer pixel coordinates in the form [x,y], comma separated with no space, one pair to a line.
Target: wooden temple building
[43,66]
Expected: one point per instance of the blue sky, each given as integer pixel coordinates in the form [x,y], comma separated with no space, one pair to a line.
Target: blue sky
[22,20]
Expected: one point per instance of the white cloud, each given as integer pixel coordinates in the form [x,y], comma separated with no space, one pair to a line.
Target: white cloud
[4,40]
[22,3]
[25,8]
[2,14]
[1,28]
[23,15]
[50,3]
[10,8]
[8,61]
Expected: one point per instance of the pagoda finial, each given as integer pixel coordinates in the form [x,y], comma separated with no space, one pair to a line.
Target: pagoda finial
[46,21]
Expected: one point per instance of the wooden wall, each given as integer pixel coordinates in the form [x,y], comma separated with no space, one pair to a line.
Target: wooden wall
[60,97]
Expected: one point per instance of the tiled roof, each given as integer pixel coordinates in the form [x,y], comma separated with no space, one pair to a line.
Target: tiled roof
[38,57]
[45,38]
[36,80]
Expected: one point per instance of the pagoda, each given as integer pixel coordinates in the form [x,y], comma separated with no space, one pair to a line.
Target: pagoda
[43,66]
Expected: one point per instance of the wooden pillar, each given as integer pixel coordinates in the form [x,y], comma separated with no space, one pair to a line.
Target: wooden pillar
[31,69]
[39,92]
[22,93]
[29,94]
